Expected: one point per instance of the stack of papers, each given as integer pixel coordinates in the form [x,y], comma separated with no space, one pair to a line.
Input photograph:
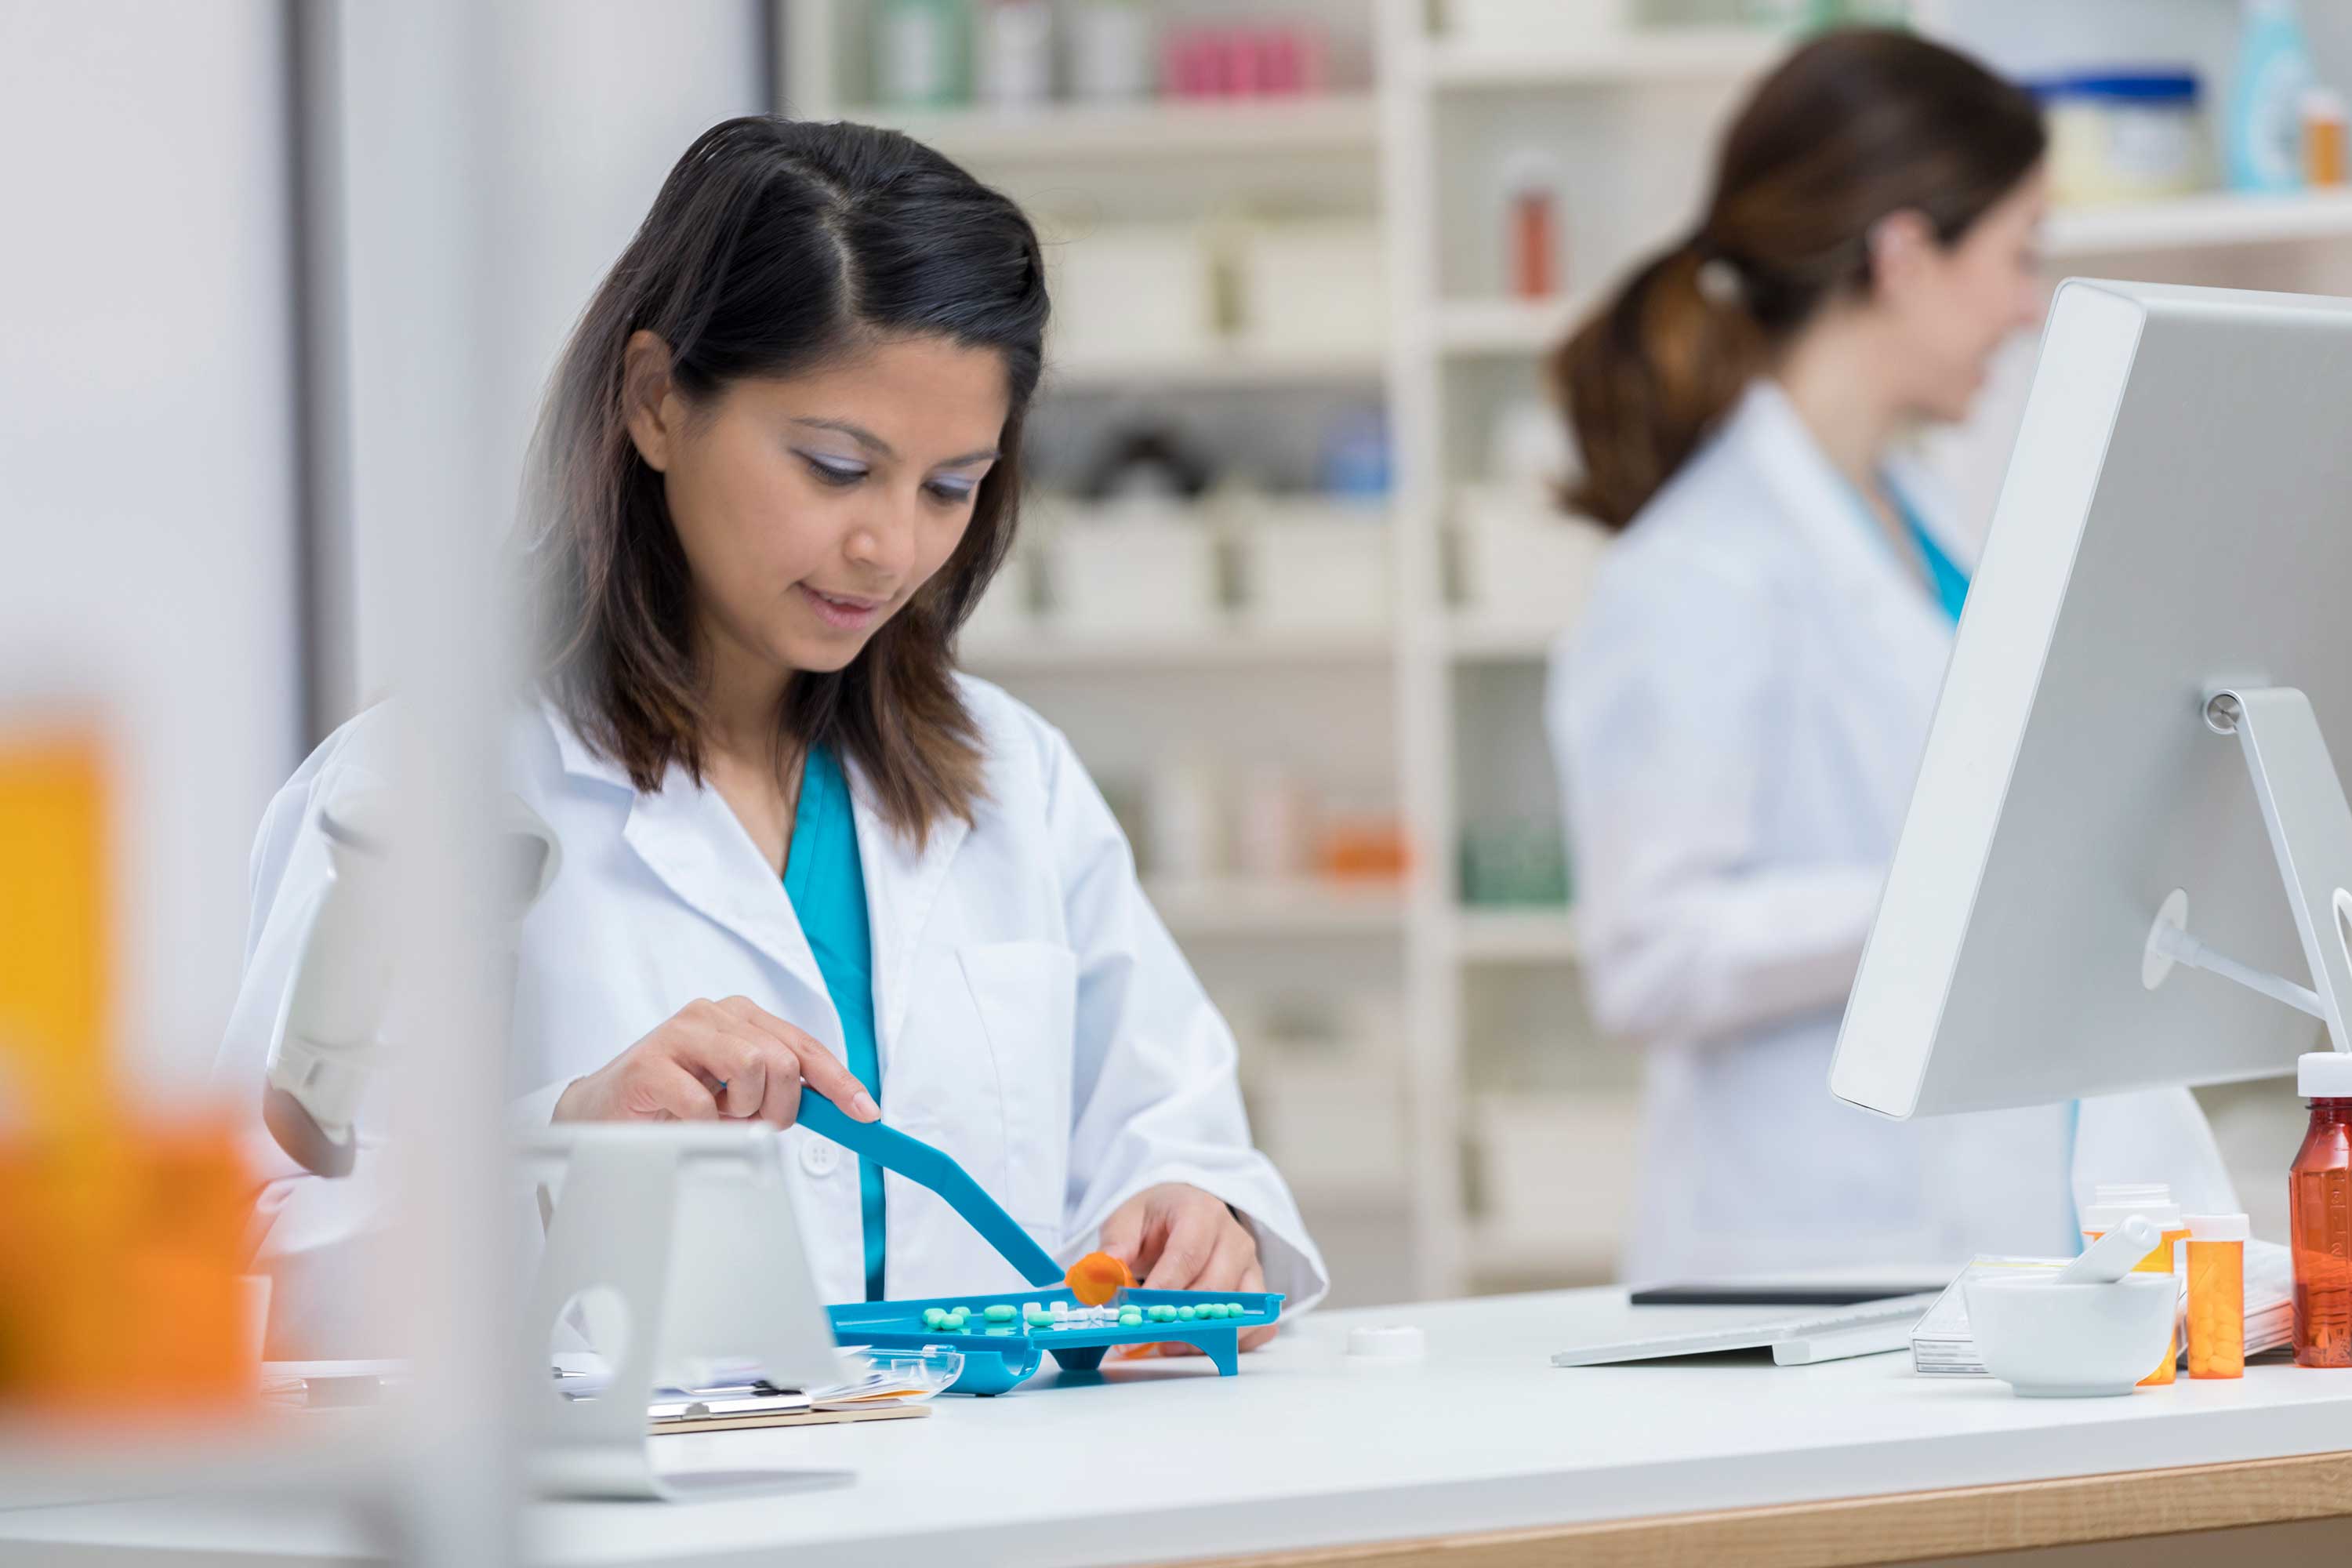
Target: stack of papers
[875,1385]
[1941,1345]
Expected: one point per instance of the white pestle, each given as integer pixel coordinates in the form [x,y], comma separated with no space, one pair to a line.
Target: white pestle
[2114,1254]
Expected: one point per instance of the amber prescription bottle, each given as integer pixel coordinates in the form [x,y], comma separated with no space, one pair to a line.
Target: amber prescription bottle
[2112,1203]
[2319,1214]
[2217,1295]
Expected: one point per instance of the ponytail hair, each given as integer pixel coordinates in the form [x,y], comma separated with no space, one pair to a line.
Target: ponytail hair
[1856,125]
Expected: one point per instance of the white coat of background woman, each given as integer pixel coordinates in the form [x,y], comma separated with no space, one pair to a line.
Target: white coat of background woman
[779,463]
[1740,711]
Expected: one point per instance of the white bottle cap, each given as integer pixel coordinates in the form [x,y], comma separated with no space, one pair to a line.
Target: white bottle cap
[1399,1345]
[2218,1228]
[2112,1203]
[2324,1075]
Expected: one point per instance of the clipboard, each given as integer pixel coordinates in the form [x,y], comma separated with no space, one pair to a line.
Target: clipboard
[744,1420]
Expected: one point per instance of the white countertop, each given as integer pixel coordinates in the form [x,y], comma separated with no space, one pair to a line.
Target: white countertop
[1164,1460]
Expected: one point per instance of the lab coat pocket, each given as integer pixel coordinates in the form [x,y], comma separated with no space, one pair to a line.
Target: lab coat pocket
[1027,995]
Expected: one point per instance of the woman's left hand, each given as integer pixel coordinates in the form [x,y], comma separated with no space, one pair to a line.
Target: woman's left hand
[1176,1238]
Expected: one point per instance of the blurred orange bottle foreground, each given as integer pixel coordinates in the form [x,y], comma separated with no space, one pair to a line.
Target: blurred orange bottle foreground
[120,1242]
[2319,1215]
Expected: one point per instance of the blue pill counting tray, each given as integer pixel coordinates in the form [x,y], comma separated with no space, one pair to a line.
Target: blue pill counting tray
[1001,1352]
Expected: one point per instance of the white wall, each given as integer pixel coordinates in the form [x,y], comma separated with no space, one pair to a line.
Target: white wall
[146,492]
[600,97]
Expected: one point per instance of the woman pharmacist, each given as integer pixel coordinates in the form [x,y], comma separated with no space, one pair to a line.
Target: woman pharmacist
[1739,713]
[779,463]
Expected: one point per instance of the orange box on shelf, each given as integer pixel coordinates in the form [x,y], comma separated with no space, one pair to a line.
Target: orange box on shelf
[1365,848]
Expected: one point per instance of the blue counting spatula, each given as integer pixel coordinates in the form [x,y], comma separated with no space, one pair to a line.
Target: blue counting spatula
[920,1162]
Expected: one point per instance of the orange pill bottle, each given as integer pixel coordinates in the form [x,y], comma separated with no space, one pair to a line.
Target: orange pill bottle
[2217,1295]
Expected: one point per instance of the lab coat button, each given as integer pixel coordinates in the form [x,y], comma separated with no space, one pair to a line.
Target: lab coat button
[818,1155]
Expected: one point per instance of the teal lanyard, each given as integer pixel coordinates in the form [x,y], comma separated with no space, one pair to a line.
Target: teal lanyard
[827,885]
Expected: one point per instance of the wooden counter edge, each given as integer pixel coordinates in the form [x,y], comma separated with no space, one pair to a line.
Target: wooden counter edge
[1897,1528]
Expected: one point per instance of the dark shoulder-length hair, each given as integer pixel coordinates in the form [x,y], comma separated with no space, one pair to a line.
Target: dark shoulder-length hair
[773,247]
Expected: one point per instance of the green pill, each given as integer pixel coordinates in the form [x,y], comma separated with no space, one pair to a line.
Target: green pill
[1162,1313]
[1235,1310]
[1185,1314]
[933,1317]
[1000,1313]
[1040,1319]
[1130,1319]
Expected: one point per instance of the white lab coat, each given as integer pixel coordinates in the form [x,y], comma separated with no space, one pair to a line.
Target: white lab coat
[1034,1017]
[1737,717]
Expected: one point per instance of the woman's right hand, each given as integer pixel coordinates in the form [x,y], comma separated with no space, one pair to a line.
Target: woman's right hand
[714,1060]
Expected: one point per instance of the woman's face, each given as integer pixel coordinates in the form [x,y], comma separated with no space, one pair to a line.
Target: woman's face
[812,508]
[1952,306]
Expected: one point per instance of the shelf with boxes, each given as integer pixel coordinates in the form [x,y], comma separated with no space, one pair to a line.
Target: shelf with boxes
[1533,934]
[1486,639]
[1552,1189]
[1272,298]
[1292,904]
[1505,327]
[2210,220]
[1212,364]
[1504,55]
[1043,649]
[1012,56]
[1233,579]
[1140,130]
[1320,1072]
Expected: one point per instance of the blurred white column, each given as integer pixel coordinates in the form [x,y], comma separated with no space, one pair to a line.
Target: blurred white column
[432,498]
[595,102]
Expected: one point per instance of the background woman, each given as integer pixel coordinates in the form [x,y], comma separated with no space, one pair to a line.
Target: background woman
[1738,715]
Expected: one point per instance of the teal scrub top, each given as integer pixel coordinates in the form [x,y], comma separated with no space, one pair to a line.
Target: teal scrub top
[1945,576]
[827,884]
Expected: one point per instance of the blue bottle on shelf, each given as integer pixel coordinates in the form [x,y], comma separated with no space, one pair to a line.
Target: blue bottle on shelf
[2264,138]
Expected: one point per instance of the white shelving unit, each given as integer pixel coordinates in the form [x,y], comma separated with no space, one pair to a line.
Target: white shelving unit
[1055,652]
[1472,641]
[1506,936]
[1147,132]
[1675,55]
[1505,328]
[1233,366]
[1237,907]
[1444,681]
[2214,221]
[1439,98]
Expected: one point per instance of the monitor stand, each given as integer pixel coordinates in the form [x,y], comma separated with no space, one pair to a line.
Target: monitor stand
[617,1228]
[2310,827]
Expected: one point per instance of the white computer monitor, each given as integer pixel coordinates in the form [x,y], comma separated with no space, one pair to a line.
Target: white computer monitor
[2125,860]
